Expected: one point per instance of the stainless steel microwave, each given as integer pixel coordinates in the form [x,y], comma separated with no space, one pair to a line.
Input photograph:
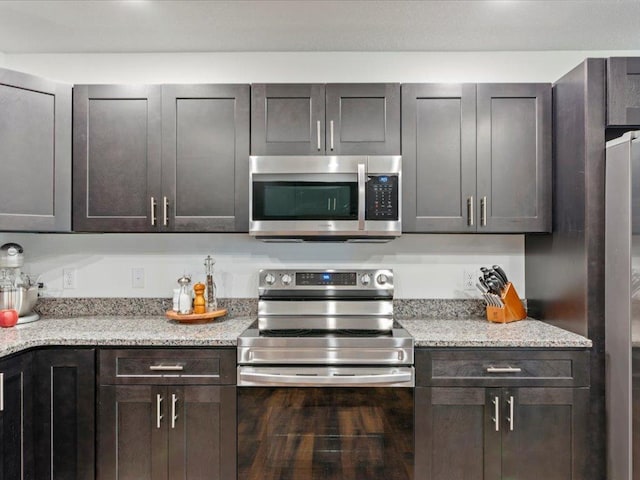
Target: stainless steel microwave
[355,198]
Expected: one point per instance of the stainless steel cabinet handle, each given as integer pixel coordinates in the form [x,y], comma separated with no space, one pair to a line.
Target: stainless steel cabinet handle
[318,131]
[174,417]
[158,410]
[165,211]
[496,412]
[362,179]
[335,200]
[470,212]
[1,392]
[483,213]
[331,130]
[504,370]
[510,402]
[166,368]
[153,212]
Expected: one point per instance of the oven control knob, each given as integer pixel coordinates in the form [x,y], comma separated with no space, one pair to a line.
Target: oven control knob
[286,279]
[365,279]
[270,279]
[382,279]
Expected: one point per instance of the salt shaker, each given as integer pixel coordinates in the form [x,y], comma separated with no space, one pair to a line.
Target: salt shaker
[184,299]
[176,300]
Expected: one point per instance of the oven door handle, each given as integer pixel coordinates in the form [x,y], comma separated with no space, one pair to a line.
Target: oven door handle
[251,376]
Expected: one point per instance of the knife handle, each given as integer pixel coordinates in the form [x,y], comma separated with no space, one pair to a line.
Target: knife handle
[497,269]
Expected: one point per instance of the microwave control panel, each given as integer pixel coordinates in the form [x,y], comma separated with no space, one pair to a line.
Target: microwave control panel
[382,197]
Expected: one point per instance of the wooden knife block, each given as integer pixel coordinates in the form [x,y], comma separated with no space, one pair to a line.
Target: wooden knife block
[512,310]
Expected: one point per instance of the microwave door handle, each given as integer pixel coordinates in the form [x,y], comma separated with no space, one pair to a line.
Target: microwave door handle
[362,179]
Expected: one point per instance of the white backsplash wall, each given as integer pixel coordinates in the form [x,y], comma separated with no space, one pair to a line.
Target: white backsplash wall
[425,266]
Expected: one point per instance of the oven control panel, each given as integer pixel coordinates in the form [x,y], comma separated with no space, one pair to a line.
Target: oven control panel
[326,279]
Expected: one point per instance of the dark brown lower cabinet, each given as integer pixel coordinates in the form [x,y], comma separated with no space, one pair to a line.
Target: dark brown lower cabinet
[166,414]
[165,432]
[64,414]
[16,423]
[499,433]
[491,414]
[157,432]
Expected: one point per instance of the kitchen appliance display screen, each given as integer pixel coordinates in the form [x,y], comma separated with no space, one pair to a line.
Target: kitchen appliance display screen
[325,278]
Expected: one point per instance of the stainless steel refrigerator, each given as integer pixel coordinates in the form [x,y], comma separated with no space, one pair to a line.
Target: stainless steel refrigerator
[622,306]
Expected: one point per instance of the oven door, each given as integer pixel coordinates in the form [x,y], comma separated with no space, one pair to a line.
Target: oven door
[325,433]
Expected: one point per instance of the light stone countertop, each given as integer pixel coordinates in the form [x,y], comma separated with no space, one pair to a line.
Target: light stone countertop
[480,332]
[158,331]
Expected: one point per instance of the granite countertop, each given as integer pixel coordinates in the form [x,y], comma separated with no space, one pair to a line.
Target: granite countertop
[158,331]
[482,333]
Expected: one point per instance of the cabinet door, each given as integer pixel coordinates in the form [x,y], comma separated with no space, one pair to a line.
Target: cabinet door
[363,119]
[16,424]
[623,91]
[116,158]
[202,432]
[132,433]
[439,157]
[35,148]
[287,119]
[544,433]
[456,436]
[205,167]
[514,157]
[64,415]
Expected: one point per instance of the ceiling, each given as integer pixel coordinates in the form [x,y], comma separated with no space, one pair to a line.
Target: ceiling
[84,26]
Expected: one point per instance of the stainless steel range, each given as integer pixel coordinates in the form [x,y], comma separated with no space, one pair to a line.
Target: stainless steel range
[322,380]
[325,327]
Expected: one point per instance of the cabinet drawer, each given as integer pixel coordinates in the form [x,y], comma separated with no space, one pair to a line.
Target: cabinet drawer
[167,366]
[490,367]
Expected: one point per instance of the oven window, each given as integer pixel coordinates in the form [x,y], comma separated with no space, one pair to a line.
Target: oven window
[305,200]
[325,433]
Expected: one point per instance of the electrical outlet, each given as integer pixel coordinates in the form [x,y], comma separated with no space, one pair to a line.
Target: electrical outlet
[68,278]
[137,277]
[469,279]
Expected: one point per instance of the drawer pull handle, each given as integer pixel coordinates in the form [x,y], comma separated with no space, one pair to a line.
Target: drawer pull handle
[166,368]
[1,392]
[504,370]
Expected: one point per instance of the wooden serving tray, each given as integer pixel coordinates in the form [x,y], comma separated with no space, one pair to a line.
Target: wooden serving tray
[196,317]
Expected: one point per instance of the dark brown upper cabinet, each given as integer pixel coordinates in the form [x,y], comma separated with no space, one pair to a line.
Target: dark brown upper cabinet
[205,158]
[623,91]
[332,119]
[438,157]
[157,158]
[116,157]
[35,148]
[476,158]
